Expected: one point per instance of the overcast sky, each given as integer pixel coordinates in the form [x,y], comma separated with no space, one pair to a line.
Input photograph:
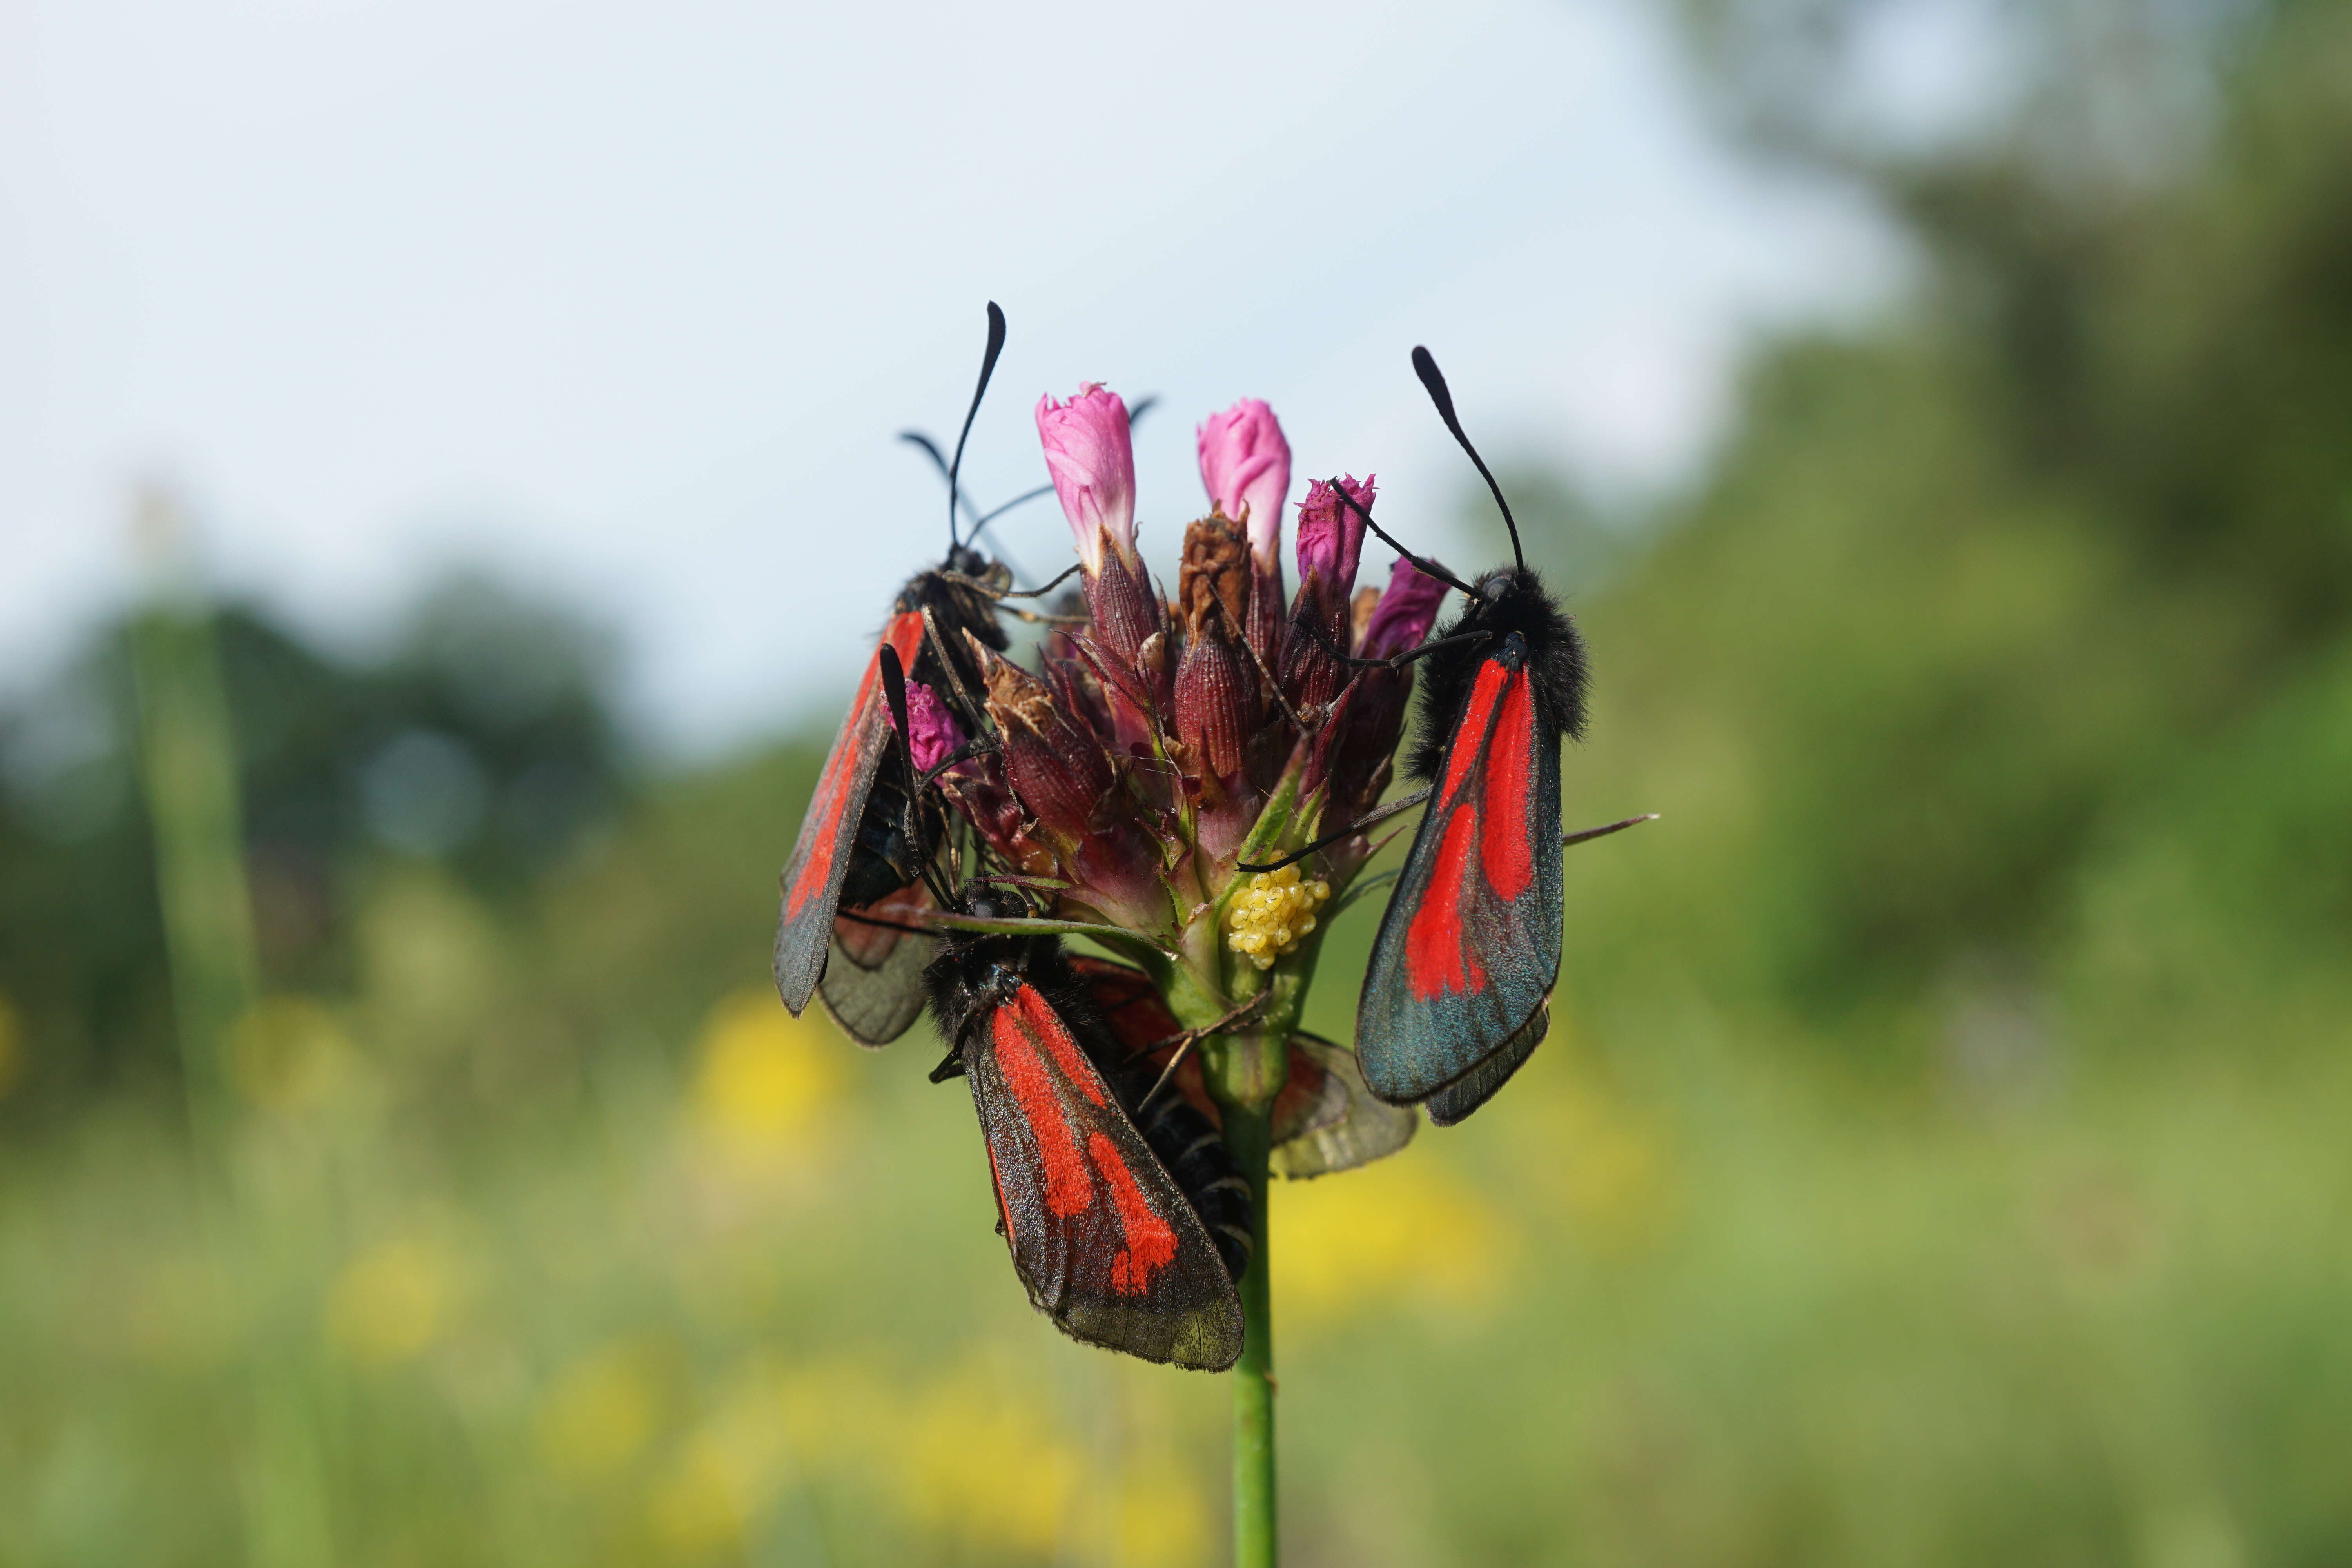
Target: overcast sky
[627,302]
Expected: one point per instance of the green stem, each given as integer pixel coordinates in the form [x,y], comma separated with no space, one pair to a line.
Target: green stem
[1255,1542]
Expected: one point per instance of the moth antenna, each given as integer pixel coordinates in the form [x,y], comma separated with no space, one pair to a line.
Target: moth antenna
[1605,832]
[939,461]
[1426,368]
[1024,498]
[1429,569]
[1402,803]
[987,369]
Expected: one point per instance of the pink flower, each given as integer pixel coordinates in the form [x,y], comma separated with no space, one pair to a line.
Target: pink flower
[935,735]
[1092,460]
[1246,467]
[1332,533]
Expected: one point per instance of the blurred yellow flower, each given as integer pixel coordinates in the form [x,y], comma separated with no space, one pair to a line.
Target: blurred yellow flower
[762,1077]
[729,1471]
[838,1407]
[12,1046]
[1405,1227]
[1158,1516]
[601,1411]
[709,1496]
[976,1458]
[392,1302]
[1595,1157]
[288,1052]
[981,1461]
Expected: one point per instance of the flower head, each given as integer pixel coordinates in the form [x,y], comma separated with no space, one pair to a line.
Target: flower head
[1092,459]
[1158,742]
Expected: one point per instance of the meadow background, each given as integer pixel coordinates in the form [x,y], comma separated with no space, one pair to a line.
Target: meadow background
[1940,1156]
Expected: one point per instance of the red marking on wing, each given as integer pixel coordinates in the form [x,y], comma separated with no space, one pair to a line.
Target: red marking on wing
[1047,1024]
[1150,1241]
[1068,1189]
[905,633]
[832,796]
[1506,849]
[1470,735]
[1436,958]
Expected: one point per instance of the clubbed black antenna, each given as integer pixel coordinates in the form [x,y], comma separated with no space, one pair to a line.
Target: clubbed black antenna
[987,369]
[1427,568]
[930,450]
[1426,368]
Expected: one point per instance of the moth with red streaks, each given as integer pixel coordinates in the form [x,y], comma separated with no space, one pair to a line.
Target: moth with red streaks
[1459,989]
[860,843]
[1126,1218]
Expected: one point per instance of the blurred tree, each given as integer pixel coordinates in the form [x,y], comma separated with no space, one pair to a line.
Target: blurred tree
[483,742]
[1967,588]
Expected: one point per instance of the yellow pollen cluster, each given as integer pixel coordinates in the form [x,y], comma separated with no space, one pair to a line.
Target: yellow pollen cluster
[1272,914]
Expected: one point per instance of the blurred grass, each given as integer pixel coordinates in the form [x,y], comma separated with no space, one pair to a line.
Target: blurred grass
[1938,1158]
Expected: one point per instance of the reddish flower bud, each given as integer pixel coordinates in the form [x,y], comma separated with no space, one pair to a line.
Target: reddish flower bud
[1403,614]
[1331,532]
[1058,770]
[1216,698]
[1125,612]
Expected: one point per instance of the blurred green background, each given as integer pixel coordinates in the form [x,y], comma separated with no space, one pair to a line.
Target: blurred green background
[1941,1156]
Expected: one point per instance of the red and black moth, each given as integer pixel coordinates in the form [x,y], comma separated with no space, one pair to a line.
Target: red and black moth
[1459,989]
[1110,1242]
[861,843]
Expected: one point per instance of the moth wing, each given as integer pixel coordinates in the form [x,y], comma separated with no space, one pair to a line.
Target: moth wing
[1477,1086]
[1349,1126]
[1128,1001]
[1468,950]
[873,980]
[1103,1239]
[819,858]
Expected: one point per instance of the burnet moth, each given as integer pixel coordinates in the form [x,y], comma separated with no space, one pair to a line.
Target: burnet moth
[1126,1218]
[859,841]
[1460,985]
